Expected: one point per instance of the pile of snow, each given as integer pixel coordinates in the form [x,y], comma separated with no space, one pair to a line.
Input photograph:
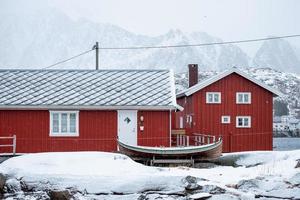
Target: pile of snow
[99,173]
[95,172]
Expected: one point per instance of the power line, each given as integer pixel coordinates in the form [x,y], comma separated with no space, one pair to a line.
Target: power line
[173,46]
[85,52]
[199,45]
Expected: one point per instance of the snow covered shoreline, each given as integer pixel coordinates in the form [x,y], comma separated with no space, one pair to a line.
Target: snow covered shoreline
[100,175]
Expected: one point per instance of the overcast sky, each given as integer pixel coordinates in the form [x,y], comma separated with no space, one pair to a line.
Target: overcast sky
[229,20]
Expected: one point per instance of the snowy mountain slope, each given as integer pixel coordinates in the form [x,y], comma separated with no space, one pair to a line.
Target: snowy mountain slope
[279,53]
[43,38]
[39,39]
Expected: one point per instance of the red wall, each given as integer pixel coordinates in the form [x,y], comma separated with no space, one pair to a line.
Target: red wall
[97,131]
[157,128]
[207,117]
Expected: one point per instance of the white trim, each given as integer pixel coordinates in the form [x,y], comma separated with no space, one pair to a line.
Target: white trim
[213,79]
[243,126]
[213,101]
[243,93]
[223,117]
[63,134]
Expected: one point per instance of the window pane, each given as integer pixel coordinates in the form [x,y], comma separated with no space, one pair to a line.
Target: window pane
[64,122]
[210,97]
[240,96]
[240,121]
[55,123]
[225,119]
[216,98]
[246,122]
[72,122]
[246,98]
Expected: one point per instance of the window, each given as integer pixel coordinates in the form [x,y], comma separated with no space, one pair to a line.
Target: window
[243,97]
[213,97]
[64,123]
[225,120]
[180,122]
[189,119]
[243,121]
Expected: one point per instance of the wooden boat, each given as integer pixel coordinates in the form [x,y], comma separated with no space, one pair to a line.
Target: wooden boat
[201,152]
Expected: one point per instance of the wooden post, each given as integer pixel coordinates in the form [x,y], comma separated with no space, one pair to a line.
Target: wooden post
[187,141]
[97,55]
[14,144]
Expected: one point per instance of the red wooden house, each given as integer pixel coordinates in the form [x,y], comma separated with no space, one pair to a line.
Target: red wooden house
[85,110]
[231,104]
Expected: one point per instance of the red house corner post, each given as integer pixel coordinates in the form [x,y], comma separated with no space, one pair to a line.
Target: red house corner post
[14,144]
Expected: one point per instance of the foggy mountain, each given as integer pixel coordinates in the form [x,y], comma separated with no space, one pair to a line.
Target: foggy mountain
[46,37]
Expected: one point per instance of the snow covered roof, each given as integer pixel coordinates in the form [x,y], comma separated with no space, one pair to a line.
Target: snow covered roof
[87,89]
[214,79]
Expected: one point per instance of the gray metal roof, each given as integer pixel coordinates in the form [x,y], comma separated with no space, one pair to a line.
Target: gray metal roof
[101,89]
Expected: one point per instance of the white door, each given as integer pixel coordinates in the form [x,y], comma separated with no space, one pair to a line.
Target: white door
[127,126]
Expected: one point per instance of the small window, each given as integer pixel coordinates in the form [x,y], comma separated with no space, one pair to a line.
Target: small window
[180,122]
[213,97]
[189,119]
[64,123]
[243,121]
[243,97]
[225,120]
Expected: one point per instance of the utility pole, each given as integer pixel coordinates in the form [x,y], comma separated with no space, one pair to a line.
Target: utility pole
[96,47]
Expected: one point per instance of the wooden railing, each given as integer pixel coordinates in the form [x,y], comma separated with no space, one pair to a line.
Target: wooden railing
[13,144]
[193,140]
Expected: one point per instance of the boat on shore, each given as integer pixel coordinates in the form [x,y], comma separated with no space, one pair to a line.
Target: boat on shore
[199,152]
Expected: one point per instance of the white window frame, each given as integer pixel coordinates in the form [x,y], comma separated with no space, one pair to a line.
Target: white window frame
[243,93]
[213,93]
[68,133]
[243,117]
[223,121]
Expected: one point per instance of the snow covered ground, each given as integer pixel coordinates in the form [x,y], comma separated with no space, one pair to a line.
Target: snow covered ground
[100,175]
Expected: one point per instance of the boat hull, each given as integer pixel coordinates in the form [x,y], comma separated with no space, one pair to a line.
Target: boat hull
[204,152]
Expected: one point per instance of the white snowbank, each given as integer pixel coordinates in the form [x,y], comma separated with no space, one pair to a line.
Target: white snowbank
[96,172]
[100,172]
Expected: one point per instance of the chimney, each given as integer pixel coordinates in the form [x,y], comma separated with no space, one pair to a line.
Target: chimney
[193,74]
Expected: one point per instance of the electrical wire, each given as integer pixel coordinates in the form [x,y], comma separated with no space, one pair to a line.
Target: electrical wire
[68,59]
[174,46]
[199,45]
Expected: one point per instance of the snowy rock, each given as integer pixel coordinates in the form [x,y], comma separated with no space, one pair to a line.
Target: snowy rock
[213,189]
[2,182]
[247,184]
[295,180]
[59,195]
[12,185]
[298,164]
[200,196]
[224,197]
[191,183]
[28,186]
